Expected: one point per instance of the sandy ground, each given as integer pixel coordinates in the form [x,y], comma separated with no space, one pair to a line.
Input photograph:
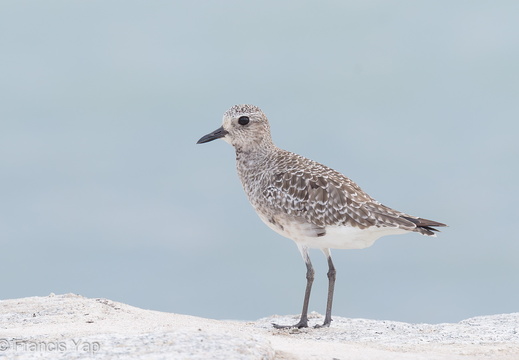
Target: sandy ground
[73,327]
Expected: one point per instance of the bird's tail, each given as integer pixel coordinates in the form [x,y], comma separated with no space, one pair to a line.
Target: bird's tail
[424,226]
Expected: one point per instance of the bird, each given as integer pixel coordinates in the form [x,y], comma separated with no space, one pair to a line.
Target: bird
[315,206]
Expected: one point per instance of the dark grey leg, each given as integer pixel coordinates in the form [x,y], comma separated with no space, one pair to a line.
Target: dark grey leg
[331,287]
[303,322]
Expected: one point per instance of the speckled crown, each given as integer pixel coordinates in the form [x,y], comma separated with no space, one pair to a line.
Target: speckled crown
[241,109]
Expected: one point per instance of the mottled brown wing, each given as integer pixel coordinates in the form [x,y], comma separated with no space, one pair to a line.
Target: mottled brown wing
[321,196]
[330,199]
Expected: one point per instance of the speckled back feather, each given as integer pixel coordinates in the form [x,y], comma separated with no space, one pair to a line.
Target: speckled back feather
[302,188]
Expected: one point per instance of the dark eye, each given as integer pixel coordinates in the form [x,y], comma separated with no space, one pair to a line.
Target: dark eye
[243,120]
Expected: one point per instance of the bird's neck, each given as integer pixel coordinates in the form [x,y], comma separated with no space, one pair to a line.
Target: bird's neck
[253,152]
[252,156]
[253,161]
[253,168]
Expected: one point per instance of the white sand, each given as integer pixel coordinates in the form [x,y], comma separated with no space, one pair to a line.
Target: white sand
[73,327]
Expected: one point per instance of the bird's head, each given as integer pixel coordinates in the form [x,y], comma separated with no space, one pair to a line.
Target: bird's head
[244,126]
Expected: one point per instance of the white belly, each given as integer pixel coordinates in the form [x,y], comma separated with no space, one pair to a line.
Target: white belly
[336,237]
[345,237]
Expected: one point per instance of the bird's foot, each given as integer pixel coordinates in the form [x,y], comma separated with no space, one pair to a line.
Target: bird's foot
[299,325]
[325,324]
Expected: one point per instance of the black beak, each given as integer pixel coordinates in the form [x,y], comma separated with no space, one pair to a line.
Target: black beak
[217,134]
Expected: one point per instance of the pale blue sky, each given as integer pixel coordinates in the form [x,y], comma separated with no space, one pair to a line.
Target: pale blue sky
[105,194]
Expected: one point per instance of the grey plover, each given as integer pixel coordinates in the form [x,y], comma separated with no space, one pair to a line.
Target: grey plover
[305,201]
